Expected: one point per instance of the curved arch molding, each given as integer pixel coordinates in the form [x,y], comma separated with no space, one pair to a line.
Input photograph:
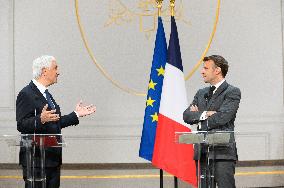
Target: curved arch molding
[123,87]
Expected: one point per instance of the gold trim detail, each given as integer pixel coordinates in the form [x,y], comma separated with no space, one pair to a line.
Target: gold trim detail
[101,69]
[116,83]
[159,6]
[120,14]
[172,5]
[138,176]
[197,65]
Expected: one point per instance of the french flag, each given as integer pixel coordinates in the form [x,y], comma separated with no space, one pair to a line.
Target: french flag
[175,158]
[166,102]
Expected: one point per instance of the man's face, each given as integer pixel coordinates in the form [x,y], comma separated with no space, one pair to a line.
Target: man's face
[209,72]
[51,74]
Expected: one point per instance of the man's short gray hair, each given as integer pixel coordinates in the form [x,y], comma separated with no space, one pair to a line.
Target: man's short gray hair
[40,63]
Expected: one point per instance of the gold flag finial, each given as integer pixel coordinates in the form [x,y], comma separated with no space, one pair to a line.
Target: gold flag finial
[172,4]
[159,6]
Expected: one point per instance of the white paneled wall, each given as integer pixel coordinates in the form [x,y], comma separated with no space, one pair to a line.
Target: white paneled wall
[249,35]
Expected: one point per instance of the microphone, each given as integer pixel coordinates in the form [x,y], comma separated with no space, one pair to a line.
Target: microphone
[206,96]
[35,120]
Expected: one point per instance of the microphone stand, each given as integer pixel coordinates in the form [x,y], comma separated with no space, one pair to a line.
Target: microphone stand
[210,168]
[34,147]
[210,164]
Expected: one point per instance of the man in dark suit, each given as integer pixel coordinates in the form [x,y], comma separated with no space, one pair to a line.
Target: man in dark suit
[214,108]
[37,112]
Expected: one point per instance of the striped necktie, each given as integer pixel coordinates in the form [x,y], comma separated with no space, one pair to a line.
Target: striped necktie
[49,101]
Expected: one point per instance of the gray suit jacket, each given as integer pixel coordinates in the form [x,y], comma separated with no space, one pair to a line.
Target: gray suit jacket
[225,101]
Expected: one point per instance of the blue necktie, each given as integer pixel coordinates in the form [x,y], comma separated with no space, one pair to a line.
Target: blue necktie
[212,88]
[49,101]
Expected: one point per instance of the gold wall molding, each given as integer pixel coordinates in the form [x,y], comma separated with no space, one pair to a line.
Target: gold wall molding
[125,15]
[119,14]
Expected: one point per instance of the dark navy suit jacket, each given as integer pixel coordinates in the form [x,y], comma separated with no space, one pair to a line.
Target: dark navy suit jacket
[29,105]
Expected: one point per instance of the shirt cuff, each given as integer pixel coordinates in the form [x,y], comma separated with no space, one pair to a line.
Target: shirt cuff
[203,116]
[77,114]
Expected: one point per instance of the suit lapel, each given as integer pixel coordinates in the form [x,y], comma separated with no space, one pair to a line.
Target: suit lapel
[37,92]
[219,90]
[39,96]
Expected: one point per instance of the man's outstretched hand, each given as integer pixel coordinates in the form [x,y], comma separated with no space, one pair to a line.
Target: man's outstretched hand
[84,110]
[48,115]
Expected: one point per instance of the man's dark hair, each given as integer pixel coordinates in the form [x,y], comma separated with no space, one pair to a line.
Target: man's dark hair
[219,61]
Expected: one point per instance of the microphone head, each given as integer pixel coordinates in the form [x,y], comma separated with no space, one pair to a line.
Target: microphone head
[206,96]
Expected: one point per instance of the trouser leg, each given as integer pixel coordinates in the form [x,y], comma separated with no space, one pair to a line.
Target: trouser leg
[224,173]
[203,172]
[52,178]
[29,183]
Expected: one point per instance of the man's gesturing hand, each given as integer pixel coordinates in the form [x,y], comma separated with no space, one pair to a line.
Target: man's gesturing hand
[48,115]
[84,110]
[194,108]
[210,113]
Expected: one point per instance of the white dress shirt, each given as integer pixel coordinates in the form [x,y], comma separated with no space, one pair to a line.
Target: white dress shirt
[203,115]
[42,89]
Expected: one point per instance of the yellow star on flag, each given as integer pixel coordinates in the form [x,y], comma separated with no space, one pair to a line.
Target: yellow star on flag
[161,71]
[154,117]
[150,101]
[152,85]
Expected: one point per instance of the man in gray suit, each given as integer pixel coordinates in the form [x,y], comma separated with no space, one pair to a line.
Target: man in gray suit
[214,108]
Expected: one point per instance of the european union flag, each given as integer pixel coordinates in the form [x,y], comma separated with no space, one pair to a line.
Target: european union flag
[154,94]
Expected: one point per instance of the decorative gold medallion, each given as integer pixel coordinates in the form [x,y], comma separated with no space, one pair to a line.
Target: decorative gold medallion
[120,14]
[145,10]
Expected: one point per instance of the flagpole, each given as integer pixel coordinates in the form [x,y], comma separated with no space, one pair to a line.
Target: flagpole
[176,182]
[161,178]
[172,6]
[159,6]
